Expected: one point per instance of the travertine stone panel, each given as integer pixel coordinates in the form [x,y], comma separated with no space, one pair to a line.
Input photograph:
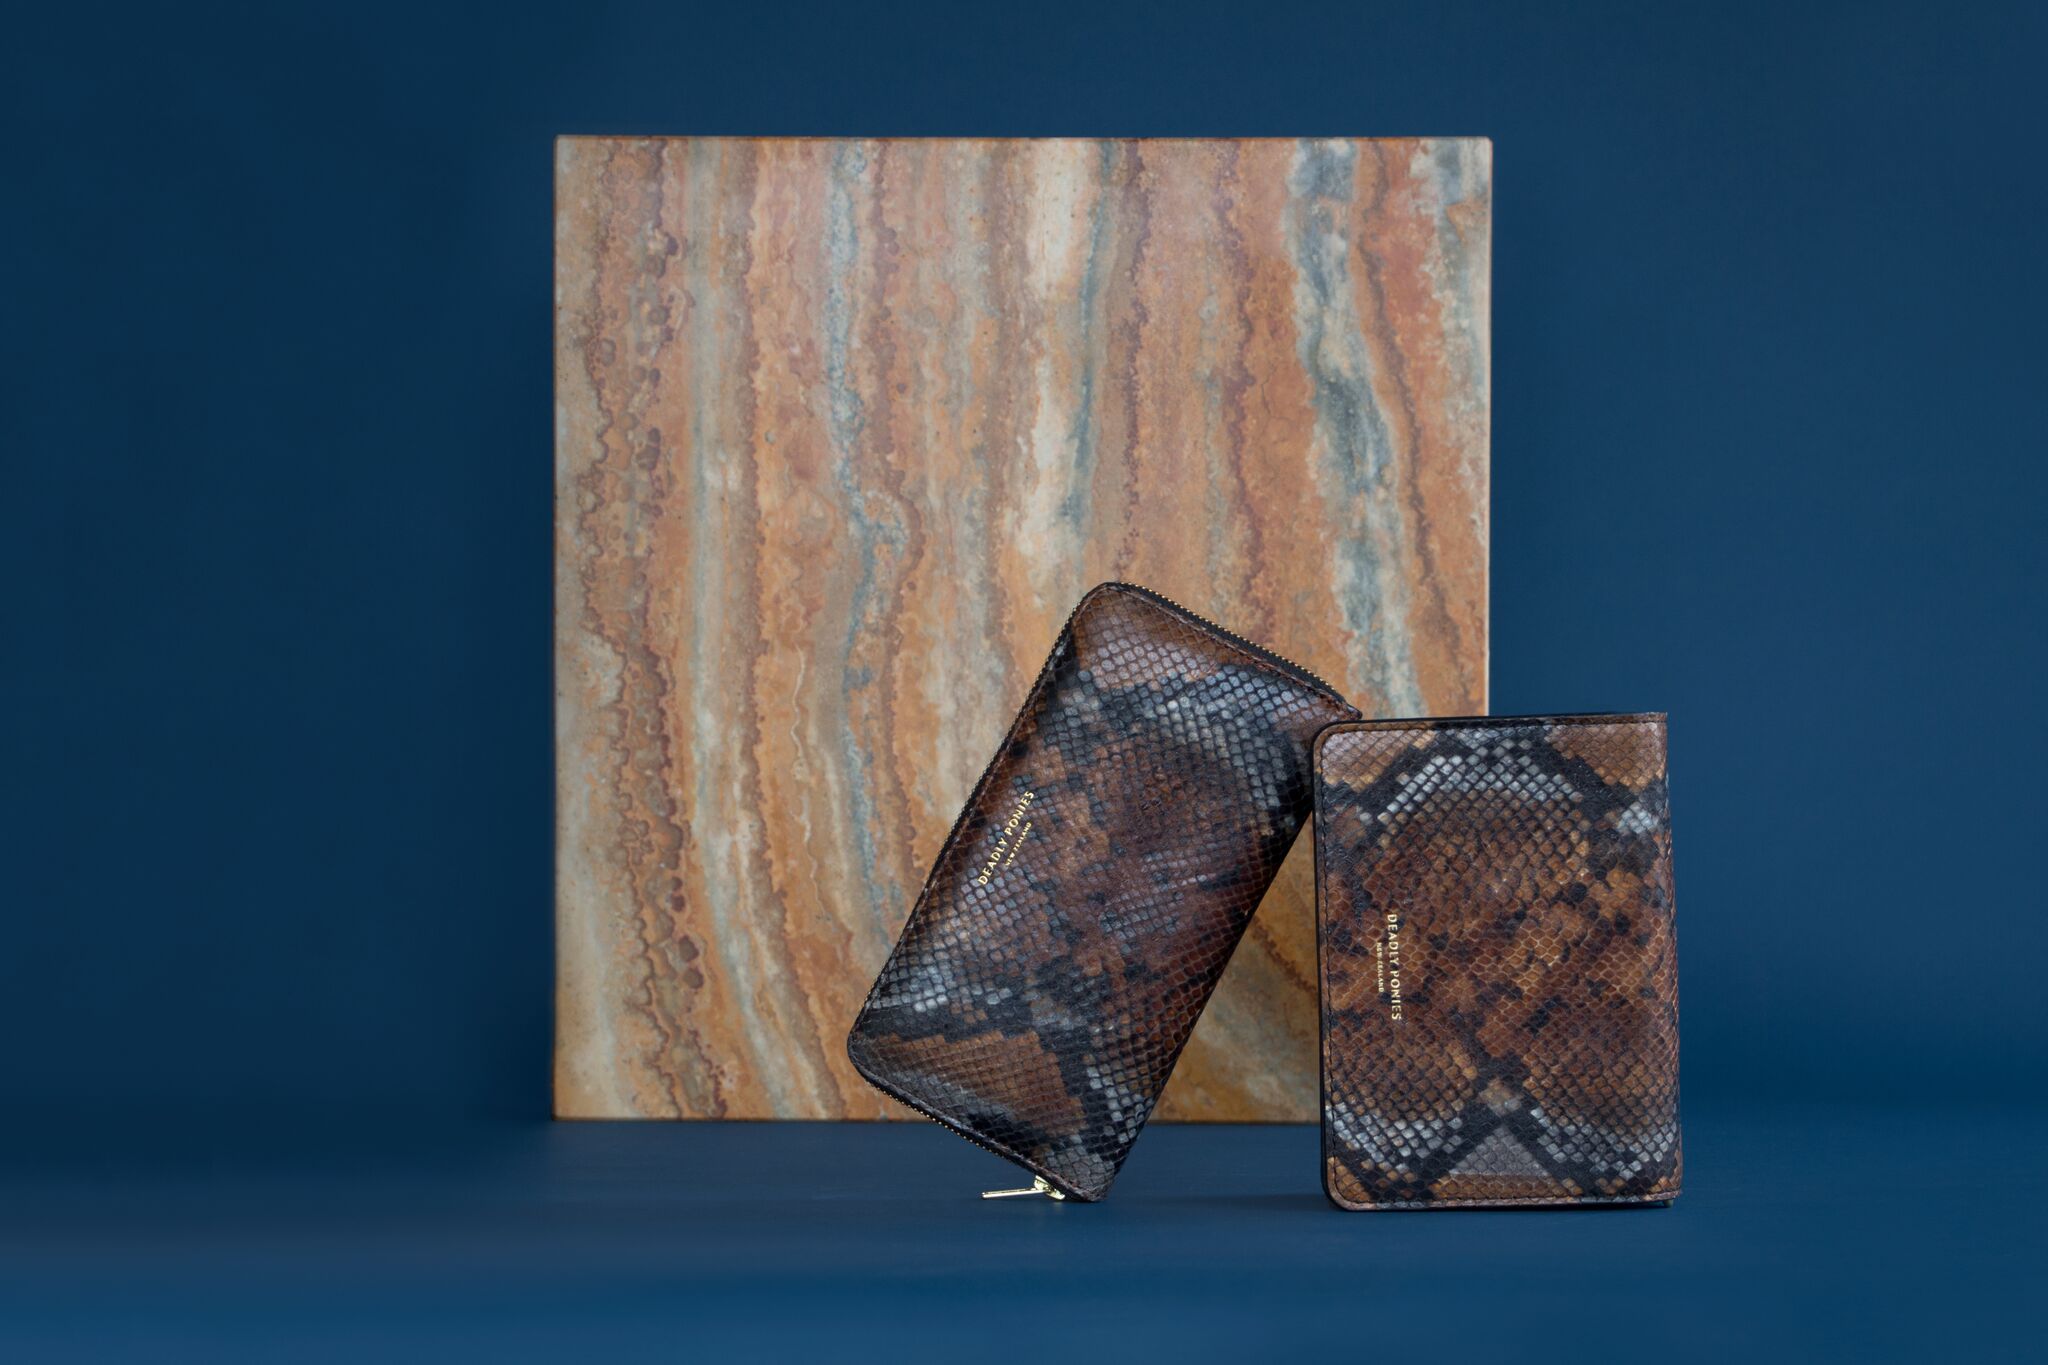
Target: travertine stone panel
[845,428]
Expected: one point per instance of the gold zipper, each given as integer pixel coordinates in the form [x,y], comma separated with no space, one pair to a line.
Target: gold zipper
[1039,1185]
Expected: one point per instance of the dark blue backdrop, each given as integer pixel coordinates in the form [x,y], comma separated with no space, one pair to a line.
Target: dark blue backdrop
[275,415]
[1767,450]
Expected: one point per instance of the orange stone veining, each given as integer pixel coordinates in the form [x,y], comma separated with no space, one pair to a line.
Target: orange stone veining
[845,428]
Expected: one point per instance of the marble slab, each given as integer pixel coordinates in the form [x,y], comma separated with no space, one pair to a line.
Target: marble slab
[845,428]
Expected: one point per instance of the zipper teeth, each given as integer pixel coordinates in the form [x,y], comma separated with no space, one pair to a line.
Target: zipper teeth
[1051,661]
[948,1126]
[965,1136]
[1253,646]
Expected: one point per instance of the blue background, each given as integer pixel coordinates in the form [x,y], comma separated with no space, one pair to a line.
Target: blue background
[277,430]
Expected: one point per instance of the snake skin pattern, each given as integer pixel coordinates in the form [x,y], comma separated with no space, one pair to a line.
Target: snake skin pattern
[1091,893]
[1499,963]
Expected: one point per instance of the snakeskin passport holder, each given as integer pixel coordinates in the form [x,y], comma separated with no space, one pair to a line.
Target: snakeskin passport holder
[1091,892]
[1499,968]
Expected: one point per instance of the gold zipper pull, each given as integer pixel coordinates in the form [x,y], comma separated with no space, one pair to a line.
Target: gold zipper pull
[1038,1186]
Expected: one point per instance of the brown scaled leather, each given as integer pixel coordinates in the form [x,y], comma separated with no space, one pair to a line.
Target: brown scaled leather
[1092,891]
[1504,887]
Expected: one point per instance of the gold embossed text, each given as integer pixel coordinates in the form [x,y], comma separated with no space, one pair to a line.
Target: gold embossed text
[1008,840]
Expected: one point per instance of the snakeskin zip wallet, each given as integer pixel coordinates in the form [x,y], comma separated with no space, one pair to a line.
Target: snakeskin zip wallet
[1092,891]
[1499,972]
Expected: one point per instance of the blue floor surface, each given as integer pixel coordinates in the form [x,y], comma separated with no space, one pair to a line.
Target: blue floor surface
[1856,1235]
